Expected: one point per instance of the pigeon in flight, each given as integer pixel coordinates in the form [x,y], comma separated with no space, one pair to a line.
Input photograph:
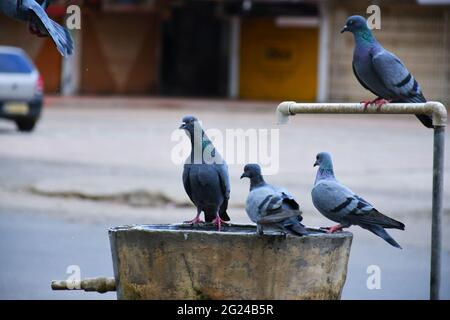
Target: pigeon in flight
[33,12]
[381,72]
[205,176]
[338,203]
[270,206]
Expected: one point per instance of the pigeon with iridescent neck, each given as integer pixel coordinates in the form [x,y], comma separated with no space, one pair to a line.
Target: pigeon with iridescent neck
[205,176]
[340,204]
[382,72]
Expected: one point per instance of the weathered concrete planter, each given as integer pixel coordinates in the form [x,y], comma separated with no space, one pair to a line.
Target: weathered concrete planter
[187,262]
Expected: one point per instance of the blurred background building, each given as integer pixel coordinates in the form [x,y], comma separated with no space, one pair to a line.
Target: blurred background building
[259,50]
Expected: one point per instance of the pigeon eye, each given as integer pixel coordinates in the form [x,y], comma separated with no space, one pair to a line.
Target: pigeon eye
[350,22]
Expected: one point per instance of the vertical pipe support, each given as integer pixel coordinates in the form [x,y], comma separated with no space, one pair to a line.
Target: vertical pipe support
[437,209]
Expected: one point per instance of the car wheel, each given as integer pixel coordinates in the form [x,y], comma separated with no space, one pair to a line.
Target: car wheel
[26,125]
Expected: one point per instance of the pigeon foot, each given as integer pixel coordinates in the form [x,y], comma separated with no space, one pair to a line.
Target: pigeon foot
[334,229]
[196,220]
[218,222]
[379,102]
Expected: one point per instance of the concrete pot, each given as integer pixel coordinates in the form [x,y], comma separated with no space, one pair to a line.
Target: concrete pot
[196,262]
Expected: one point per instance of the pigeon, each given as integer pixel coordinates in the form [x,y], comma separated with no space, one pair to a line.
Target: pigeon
[340,204]
[381,72]
[270,206]
[205,176]
[33,12]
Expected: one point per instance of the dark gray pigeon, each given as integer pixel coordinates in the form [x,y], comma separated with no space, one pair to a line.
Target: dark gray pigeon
[382,72]
[33,12]
[270,206]
[205,176]
[340,204]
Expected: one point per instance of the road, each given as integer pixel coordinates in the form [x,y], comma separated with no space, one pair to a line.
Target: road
[93,164]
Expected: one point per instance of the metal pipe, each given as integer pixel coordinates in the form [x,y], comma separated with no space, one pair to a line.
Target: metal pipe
[437,210]
[439,114]
[101,284]
[432,108]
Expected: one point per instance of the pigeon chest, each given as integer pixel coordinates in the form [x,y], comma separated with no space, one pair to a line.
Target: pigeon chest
[257,202]
[205,185]
[365,72]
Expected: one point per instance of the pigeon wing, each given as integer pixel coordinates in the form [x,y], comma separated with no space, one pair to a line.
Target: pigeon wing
[374,217]
[396,76]
[336,201]
[60,36]
[400,82]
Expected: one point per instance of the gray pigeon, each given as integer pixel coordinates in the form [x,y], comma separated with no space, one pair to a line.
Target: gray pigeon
[340,204]
[270,206]
[382,72]
[33,12]
[205,176]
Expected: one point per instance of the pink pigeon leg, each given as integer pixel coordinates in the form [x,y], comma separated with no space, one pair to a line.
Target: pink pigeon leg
[218,222]
[381,102]
[335,228]
[368,102]
[196,220]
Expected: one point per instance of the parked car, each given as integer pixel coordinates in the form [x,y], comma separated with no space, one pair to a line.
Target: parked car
[21,88]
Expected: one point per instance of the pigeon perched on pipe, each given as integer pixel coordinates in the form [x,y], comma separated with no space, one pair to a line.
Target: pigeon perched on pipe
[381,72]
[205,176]
[39,23]
[340,204]
[271,207]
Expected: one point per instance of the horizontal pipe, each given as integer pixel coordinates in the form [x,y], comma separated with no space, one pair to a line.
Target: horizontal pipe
[432,108]
[101,284]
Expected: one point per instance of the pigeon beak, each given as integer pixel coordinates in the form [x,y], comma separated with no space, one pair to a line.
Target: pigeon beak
[316,164]
[345,28]
[244,175]
[183,126]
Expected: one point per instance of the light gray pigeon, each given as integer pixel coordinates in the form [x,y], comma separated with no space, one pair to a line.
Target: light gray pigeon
[382,72]
[33,12]
[338,203]
[270,206]
[205,176]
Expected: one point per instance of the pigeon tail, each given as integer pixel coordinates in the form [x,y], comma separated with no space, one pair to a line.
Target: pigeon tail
[426,120]
[295,227]
[379,231]
[374,217]
[223,211]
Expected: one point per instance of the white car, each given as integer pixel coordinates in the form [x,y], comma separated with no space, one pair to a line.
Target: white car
[21,88]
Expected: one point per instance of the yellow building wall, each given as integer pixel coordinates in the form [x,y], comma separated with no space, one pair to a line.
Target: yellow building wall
[277,63]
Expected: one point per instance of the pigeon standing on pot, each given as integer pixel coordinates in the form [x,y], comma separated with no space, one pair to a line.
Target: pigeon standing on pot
[39,23]
[382,72]
[340,204]
[205,176]
[270,206]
